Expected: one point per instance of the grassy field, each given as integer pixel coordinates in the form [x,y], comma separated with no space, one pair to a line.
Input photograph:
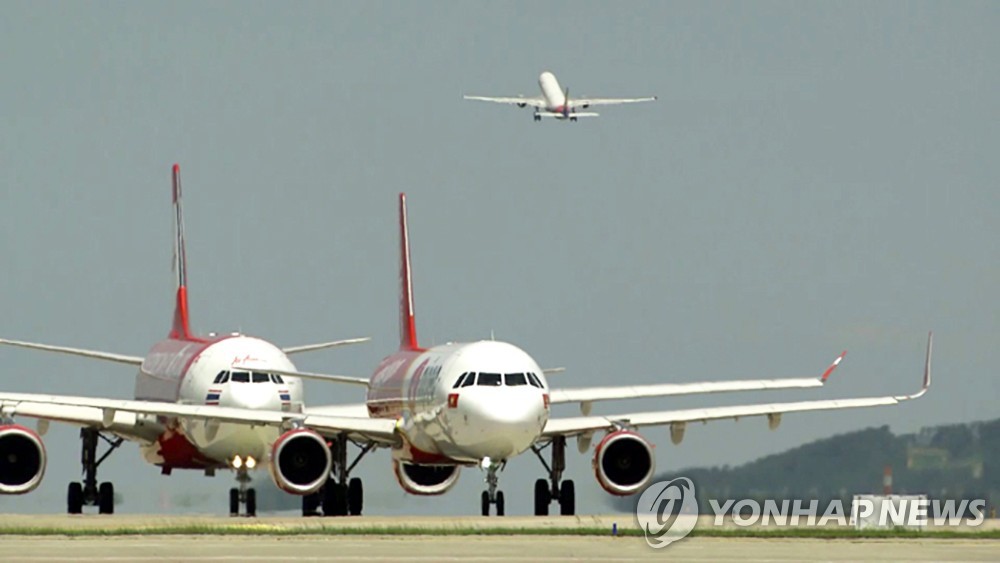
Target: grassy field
[264,529]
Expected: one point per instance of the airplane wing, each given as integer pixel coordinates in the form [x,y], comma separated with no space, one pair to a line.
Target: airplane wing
[317,376]
[111,357]
[587,395]
[323,345]
[678,418]
[587,102]
[120,416]
[519,101]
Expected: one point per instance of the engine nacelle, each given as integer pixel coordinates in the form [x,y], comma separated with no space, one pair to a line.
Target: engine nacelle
[22,460]
[425,479]
[624,463]
[300,462]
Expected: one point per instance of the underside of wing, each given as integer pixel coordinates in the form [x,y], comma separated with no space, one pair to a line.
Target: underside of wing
[588,424]
[329,378]
[519,101]
[96,354]
[588,395]
[587,102]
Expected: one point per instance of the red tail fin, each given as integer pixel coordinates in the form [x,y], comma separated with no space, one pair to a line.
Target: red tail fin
[407,323]
[181,328]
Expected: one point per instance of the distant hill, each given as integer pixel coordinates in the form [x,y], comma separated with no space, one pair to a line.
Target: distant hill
[960,461]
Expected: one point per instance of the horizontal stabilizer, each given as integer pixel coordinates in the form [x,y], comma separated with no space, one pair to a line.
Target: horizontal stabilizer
[317,376]
[323,345]
[563,116]
[108,356]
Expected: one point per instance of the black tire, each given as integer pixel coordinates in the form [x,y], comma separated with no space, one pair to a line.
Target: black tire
[567,498]
[355,497]
[500,503]
[485,501]
[234,502]
[74,498]
[542,497]
[334,500]
[106,498]
[251,503]
[310,504]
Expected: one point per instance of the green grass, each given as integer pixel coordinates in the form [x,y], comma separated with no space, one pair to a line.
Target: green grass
[270,530]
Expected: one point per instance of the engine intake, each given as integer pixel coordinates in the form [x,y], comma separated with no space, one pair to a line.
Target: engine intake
[22,460]
[624,463]
[425,479]
[300,462]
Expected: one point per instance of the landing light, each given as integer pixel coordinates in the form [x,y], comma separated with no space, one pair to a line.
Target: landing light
[251,462]
[237,462]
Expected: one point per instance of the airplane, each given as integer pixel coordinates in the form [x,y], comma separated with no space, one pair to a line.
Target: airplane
[555,101]
[436,409]
[483,403]
[197,406]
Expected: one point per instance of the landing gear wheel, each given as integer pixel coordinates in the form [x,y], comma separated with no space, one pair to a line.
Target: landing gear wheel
[355,497]
[485,499]
[106,498]
[251,503]
[499,503]
[567,498]
[542,497]
[234,502]
[310,504]
[334,500]
[74,498]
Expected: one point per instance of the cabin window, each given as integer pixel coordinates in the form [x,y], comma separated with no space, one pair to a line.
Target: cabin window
[489,379]
[241,377]
[513,379]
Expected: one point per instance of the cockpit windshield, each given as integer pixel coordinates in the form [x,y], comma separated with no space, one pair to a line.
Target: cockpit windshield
[489,379]
[248,377]
[259,377]
[512,379]
[241,377]
[498,379]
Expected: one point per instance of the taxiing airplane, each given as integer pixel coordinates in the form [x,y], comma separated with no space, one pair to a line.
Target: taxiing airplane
[197,406]
[483,403]
[555,101]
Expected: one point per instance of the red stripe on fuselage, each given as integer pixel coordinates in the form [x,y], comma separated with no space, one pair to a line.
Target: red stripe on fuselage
[386,393]
[172,359]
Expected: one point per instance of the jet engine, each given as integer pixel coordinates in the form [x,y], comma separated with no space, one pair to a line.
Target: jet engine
[425,479]
[300,462]
[624,463]
[22,459]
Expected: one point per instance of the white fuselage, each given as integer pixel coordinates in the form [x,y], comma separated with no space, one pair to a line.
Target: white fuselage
[191,372]
[497,415]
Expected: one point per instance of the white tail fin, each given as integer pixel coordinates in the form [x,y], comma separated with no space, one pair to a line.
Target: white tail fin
[181,328]
[407,323]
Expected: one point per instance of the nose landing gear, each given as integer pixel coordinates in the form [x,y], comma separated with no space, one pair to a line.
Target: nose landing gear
[244,495]
[491,495]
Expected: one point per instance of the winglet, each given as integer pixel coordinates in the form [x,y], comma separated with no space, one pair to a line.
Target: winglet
[407,322]
[182,327]
[927,372]
[833,366]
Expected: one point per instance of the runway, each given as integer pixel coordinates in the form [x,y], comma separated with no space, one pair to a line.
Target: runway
[482,549]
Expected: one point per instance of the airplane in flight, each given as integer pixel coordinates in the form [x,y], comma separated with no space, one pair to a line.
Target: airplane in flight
[483,403]
[555,101]
[436,409]
[197,406]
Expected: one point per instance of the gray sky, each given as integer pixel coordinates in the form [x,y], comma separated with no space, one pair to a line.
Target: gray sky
[814,176]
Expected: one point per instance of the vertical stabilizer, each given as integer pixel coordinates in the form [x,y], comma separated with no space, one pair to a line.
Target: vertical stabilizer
[407,324]
[181,328]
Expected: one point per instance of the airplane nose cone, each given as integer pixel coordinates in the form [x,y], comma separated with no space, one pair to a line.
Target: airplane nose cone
[252,396]
[501,423]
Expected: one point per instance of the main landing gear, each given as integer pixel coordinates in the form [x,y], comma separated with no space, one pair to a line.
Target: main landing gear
[342,495]
[555,489]
[491,495]
[88,492]
[243,495]
[538,117]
